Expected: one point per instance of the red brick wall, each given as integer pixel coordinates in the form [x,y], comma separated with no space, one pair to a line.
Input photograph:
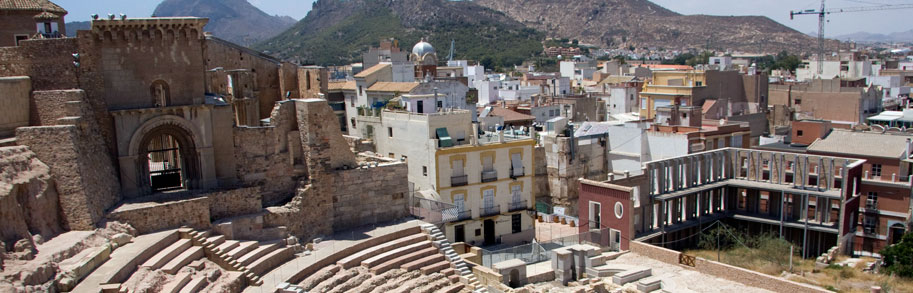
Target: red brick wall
[607,197]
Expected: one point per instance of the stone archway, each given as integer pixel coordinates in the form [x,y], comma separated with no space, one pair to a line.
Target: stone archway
[168,160]
[164,136]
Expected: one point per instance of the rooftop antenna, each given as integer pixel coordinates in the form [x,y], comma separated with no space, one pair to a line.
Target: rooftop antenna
[450,58]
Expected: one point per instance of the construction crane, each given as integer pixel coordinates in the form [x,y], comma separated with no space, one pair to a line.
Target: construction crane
[821,20]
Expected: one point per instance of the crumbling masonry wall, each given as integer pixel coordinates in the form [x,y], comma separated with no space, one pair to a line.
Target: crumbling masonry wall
[77,157]
[28,198]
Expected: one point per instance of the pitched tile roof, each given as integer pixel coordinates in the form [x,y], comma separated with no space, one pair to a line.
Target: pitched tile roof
[510,115]
[397,87]
[31,5]
[341,85]
[373,69]
[868,144]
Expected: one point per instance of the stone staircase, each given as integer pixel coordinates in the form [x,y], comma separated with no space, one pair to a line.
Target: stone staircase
[410,262]
[246,260]
[445,247]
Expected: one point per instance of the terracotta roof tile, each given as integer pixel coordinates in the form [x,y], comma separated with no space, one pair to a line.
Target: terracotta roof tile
[31,5]
[374,69]
[341,85]
[398,87]
[510,115]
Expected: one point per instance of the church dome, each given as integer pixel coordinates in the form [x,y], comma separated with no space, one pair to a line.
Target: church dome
[422,48]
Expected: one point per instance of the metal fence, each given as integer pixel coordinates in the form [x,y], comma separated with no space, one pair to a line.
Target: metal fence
[541,251]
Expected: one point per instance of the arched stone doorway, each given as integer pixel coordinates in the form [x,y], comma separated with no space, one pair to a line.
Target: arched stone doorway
[168,160]
[165,153]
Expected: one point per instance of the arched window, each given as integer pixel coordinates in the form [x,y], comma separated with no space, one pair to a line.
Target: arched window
[160,93]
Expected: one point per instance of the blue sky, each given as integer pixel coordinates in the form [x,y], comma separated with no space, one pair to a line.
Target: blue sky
[873,21]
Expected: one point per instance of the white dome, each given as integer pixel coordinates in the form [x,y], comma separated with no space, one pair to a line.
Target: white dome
[422,48]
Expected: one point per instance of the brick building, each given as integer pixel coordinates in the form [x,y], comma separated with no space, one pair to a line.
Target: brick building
[885,207]
[25,19]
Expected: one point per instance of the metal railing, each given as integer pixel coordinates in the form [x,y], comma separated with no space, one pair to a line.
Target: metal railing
[871,204]
[432,211]
[541,251]
[518,205]
[514,173]
[459,180]
[464,215]
[489,176]
[490,211]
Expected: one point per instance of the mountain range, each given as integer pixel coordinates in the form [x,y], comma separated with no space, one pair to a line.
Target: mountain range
[641,23]
[504,32]
[865,37]
[234,20]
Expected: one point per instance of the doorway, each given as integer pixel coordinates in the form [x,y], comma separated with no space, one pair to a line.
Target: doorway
[489,230]
[165,163]
[896,233]
[459,233]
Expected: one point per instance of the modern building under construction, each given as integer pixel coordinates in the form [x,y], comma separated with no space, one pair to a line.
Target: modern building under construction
[810,200]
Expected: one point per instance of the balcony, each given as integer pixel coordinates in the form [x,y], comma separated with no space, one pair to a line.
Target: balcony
[517,172]
[871,205]
[490,211]
[489,176]
[518,205]
[459,180]
[464,215]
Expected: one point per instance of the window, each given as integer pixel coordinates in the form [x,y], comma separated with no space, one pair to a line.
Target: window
[360,90]
[799,133]
[516,223]
[392,155]
[390,131]
[20,38]
[424,170]
[440,104]
[876,170]
[699,83]
[871,202]
[798,102]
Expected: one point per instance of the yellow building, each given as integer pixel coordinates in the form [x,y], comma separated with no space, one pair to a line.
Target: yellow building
[671,88]
[490,183]
[483,181]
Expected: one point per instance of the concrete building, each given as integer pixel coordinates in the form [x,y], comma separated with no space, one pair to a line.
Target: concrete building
[487,178]
[837,100]
[28,19]
[691,88]
[809,200]
[849,65]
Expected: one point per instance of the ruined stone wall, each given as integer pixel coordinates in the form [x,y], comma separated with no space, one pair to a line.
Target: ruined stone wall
[234,202]
[288,81]
[28,198]
[307,216]
[369,195]
[48,63]
[152,216]
[540,182]
[312,81]
[261,162]
[75,152]
[321,138]
[14,100]
[220,53]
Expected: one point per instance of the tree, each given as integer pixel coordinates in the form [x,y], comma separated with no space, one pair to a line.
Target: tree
[898,258]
